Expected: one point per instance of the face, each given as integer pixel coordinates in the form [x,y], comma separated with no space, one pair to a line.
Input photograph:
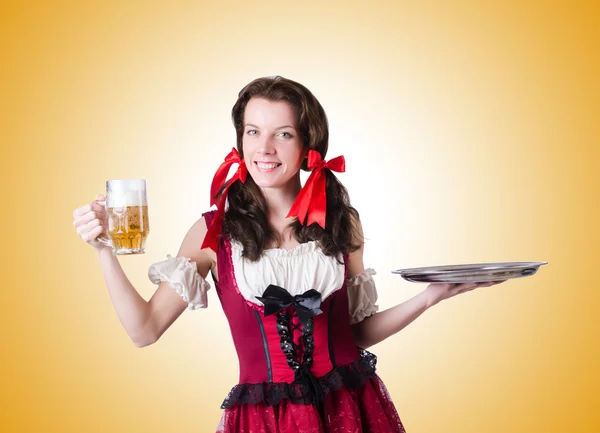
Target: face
[273,149]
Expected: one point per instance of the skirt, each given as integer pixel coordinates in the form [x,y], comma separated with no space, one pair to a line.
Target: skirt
[368,409]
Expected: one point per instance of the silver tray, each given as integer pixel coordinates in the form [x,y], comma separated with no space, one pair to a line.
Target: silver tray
[473,273]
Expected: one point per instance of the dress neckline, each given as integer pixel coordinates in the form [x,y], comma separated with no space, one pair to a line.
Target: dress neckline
[300,249]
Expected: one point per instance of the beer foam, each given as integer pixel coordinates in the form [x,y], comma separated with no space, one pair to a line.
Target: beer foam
[126,198]
[122,193]
[126,185]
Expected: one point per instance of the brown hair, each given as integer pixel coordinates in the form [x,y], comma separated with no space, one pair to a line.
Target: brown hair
[246,220]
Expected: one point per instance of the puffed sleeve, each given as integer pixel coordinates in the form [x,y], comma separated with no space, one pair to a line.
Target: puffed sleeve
[362,296]
[182,274]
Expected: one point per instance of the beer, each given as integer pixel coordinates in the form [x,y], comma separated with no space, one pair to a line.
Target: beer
[127,214]
[128,228]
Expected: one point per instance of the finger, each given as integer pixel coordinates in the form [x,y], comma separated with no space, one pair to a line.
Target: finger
[486,284]
[93,234]
[94,208]
[466,287]
[470,289]
[444,286]
[81,210]
[491,283]
[86,228]
[93,224]
[86,218]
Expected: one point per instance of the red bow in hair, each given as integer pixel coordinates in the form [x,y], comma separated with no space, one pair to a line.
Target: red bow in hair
[211,238]
[312,199]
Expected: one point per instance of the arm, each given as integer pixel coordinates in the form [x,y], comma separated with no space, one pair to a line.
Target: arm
[146,321]
[381,325]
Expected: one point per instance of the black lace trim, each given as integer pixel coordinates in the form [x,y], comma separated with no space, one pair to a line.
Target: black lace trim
[351,376]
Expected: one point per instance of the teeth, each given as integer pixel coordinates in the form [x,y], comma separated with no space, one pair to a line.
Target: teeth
[266,166]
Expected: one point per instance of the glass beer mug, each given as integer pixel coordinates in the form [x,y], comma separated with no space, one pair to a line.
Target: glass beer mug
[127,214]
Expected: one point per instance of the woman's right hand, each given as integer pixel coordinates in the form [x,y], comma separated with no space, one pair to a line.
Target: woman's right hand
[89,221]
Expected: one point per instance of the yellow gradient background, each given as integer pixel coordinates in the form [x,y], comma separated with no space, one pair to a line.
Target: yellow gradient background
[470,131]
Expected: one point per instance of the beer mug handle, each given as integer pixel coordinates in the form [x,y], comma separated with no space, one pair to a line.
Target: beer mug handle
[103,239]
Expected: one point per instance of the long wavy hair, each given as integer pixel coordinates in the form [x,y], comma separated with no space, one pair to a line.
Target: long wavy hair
[246,217]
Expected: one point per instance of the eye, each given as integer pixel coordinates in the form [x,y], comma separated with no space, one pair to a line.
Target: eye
[252,132]
[286,135]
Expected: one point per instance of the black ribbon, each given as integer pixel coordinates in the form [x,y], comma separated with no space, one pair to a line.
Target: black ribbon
[314,390]
[276,298]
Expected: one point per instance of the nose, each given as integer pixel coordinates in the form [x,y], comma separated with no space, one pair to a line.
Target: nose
[266,146]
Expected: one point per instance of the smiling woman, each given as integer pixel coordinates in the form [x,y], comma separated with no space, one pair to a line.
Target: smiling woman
[287,264]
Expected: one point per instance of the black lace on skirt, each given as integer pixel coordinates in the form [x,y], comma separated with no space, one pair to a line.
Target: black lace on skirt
[350,376]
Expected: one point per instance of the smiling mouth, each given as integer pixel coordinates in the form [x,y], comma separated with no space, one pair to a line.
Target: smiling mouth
[267,165]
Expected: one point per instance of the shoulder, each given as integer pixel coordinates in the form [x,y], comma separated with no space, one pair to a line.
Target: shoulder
[355,258]
[208,216]
[356,227]
[205,259]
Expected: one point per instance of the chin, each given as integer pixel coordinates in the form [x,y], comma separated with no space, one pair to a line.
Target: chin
[266,181]
[265,184]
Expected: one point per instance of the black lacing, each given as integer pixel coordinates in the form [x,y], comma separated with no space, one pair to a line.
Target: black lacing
[293,353]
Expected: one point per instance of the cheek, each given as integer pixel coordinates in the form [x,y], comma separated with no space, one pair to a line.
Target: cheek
[247,149]
[298,153]
[247,152]
[295,158]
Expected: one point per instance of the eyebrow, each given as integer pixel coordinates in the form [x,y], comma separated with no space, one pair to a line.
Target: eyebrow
[281,127]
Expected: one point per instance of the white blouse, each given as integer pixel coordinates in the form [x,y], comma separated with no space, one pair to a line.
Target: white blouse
[297,270]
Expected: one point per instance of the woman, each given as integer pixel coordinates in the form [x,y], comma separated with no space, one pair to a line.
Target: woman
[287,264]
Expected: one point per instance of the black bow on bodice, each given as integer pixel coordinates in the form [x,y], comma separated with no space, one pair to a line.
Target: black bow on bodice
[276,298]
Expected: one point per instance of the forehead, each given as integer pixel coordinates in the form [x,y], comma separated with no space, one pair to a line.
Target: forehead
[263,112]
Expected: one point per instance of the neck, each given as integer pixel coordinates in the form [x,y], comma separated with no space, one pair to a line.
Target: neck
[280,200]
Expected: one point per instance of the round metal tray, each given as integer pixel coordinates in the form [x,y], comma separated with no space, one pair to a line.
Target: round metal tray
[472,273]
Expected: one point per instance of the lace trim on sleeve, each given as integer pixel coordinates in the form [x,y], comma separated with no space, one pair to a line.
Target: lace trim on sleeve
[362,296]
[181,273]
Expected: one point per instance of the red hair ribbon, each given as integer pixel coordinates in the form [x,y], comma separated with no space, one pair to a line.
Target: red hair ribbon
[211,238]
[312,200]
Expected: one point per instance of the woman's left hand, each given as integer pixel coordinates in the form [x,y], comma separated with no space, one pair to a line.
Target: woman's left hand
[437,292]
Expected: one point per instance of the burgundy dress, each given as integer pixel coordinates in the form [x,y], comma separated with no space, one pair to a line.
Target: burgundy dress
[300,370]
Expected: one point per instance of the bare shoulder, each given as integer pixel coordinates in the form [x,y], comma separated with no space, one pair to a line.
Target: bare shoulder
[358,235]
[355,259]
[205,259]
